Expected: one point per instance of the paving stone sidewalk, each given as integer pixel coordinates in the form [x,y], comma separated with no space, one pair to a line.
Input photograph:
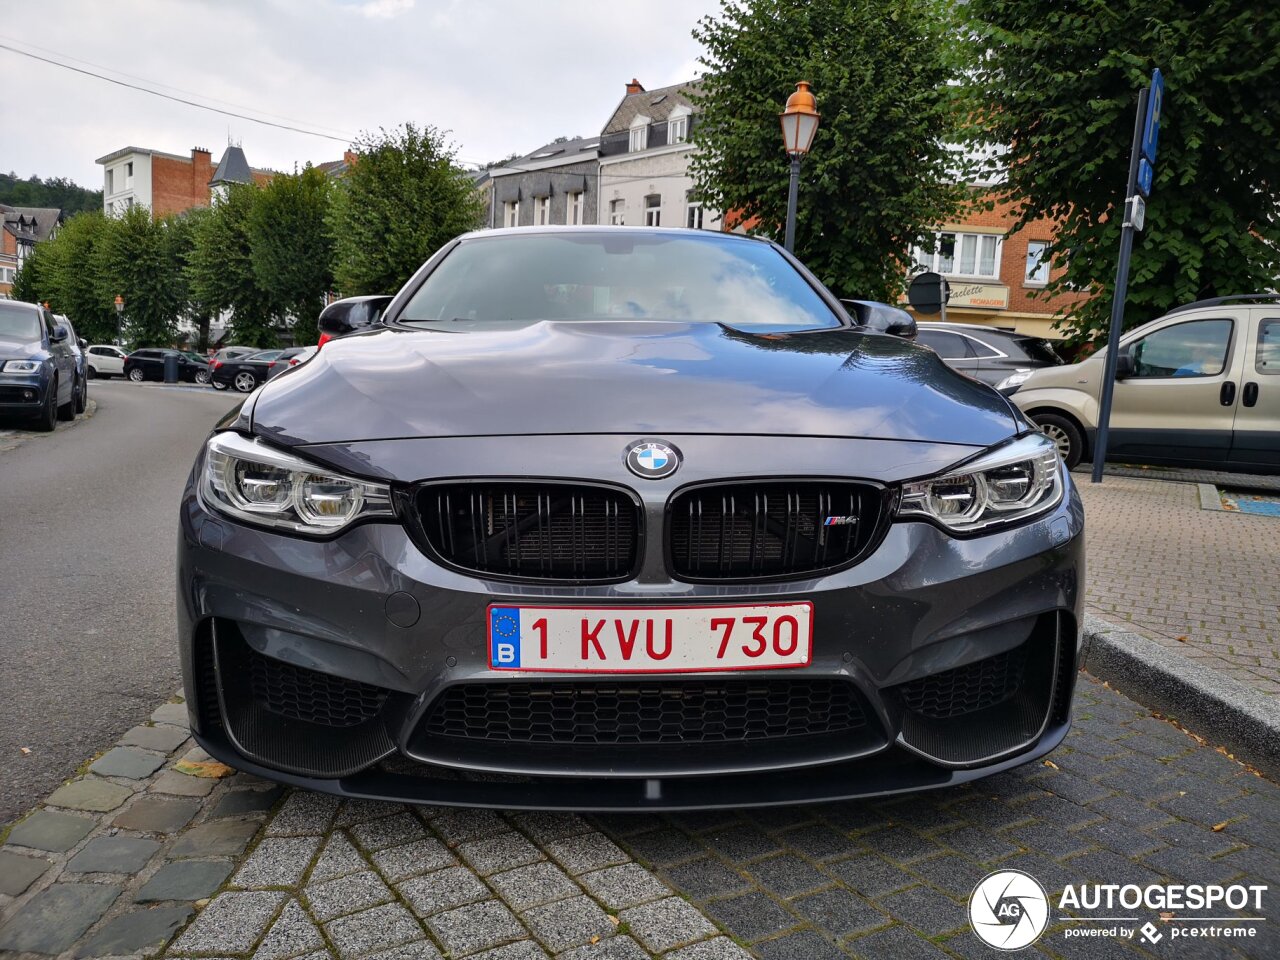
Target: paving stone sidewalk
[138,859]
[1202,582]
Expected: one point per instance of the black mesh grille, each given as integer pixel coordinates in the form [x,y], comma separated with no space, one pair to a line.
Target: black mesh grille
[646,712]
[314,697]
[967,689]
[531,530]
[760,530]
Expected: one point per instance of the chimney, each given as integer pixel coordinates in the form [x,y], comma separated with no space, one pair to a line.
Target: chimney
[635,86]
[201,174]
[348,157]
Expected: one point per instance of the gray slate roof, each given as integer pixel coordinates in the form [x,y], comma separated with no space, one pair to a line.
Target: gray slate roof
[566,151]
[232,168]
[654,104]
[30,223]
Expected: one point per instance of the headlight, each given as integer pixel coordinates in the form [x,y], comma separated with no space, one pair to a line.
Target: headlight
[1011,483]
[22,366]
[1014,379]
[261,485]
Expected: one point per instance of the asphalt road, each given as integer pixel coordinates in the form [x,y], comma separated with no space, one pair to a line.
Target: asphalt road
[88,522]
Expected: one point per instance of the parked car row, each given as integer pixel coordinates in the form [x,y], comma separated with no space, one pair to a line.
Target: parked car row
[241,368]
[43,373]
[247,373]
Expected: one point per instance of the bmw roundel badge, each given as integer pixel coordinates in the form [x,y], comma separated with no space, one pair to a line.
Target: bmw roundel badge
[652,460]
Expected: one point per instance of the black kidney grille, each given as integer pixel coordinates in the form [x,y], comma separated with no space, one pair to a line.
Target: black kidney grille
[541,531]
[967,689]
[759,530]
[645,712]
[303,694]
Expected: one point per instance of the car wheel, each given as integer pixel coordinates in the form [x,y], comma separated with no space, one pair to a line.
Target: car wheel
[136,375]
[202,376]
[245,382]
[48,418]
[1065,434]
[82,396]
[93,373]
[219,386]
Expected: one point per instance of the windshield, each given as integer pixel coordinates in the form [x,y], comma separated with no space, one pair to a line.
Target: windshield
[19,323]
[617,276]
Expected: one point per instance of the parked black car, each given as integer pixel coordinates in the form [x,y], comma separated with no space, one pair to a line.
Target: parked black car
[617,518]
[246,374]
[38,375]
[1001,358]
[148,364]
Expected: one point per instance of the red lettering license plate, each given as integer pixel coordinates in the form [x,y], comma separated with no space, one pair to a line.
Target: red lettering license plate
[650,639]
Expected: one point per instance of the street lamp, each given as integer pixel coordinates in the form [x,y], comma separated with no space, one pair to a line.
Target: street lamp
[799,124]
[119,314]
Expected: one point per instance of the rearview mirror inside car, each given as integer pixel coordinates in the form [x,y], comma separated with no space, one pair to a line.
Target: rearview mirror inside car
[351,314]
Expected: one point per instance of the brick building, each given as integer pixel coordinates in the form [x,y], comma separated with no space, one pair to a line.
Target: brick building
[167,183]
[21,228]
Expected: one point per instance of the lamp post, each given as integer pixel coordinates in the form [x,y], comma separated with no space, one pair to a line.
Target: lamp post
[119,315]
[799,124]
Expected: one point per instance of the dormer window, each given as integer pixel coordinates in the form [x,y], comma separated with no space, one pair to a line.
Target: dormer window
[639,135]
[678,125]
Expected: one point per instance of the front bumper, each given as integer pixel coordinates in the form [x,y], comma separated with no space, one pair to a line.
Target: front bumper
[22,394]
[280,635]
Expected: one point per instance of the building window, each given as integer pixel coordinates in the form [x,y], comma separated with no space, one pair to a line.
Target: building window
[111,181]
[678,129]
[573,208]
[541,211]
[653,210]
[639,135]
[974,255]
[511,213]
[128,175]
[1037,263]
[693,215]
[6,274]
[617,212]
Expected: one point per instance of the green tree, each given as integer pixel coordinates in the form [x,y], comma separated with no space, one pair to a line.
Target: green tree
[1058,83]
[33,283]
[291,249]
[55,192]
[79,291]
[220,269]
[135,259]
[879,176]
[403,199]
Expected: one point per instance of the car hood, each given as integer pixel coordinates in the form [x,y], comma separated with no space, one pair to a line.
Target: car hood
[11,349]
[627,377]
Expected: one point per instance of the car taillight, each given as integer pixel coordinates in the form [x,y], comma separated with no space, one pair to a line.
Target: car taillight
[215,365]
[271,364]
[293,361]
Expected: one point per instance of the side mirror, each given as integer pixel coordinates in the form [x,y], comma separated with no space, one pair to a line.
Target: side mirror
[351,314]
[1124,365]
[59,334]
[882,318]
[84,344]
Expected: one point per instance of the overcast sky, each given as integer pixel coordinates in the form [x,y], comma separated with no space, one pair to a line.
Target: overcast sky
[503,76]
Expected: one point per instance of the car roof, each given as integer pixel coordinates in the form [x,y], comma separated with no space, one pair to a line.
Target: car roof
[594,229]
[969,327]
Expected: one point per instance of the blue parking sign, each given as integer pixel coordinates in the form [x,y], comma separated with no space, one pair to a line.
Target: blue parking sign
[1151,125]
[1146,173]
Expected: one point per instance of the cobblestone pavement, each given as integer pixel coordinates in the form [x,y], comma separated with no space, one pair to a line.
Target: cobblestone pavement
[137,857]
[1203,582]
[1220,478]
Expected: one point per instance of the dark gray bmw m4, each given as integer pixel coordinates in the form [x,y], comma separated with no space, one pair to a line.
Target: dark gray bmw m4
[620,518]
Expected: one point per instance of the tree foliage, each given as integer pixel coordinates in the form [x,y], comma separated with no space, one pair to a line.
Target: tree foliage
[59,192]
[221,269]
[138,259]
[291,248]
[878,177]
[402,200]
[1058,84]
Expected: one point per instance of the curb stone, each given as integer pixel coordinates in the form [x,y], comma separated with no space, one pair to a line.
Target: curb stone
[1217,707]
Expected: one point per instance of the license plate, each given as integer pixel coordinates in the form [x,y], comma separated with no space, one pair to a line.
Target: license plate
[650,639]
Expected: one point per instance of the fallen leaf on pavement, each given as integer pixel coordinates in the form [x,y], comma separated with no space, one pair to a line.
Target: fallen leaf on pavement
[614,920]
[25,750]
[1182,638]
[1219,827]
[596,938]
[210,769]
[1050,763]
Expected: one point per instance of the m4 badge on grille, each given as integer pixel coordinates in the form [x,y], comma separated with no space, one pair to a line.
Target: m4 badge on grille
[839,521]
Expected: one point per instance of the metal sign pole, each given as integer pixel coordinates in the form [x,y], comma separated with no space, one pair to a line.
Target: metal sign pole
[943,296]
[1122,286]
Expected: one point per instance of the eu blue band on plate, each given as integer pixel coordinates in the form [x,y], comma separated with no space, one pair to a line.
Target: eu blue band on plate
[504,636]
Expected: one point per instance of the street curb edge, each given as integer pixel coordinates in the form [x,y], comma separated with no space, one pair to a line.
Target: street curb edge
[1223,710]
